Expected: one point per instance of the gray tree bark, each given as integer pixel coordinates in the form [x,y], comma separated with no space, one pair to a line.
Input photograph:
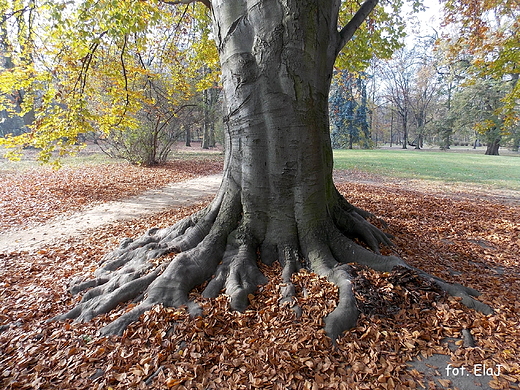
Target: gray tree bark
[493,147]
[277,197]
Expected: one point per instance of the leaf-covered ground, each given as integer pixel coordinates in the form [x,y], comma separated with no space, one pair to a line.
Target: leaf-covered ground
[35,195]
[475,242]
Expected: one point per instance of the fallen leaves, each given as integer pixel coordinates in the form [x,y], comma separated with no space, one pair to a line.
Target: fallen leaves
[36,195]
[267,346]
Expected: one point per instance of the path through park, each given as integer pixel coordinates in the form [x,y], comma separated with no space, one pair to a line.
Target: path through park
[176,194]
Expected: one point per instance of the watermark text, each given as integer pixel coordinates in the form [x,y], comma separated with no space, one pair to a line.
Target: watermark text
[476,370]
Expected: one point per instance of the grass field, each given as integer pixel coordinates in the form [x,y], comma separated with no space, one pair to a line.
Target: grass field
[500,172]
[491,171]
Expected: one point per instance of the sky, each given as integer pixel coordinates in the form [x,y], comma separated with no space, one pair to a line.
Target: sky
[423,22]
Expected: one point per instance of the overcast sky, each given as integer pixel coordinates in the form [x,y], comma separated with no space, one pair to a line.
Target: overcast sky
[423,22]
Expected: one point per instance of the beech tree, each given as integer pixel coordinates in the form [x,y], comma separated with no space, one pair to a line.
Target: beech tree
[277,200]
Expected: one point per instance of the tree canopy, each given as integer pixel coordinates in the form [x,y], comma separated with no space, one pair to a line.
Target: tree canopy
[486,34]
[69,68]
[91,65]
[84,66]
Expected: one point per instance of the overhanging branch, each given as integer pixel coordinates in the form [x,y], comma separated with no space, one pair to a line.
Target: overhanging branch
[207,3]
[348,31]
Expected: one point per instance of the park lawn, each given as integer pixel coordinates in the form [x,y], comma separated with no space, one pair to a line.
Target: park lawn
[494,172]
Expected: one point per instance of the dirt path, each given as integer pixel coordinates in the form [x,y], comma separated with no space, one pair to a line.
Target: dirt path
[184,193]
[175,194]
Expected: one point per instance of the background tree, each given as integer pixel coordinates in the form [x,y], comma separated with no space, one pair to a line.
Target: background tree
[343,107]
[349,110]
[381,115]
[363,113]
[398,77]
[488,32]
[425,88]
[450,74]
[17,57]
[171,98]
[422,100]
[277,200]
[515,137]
[126,45]
[212,112]
[462,54]
[475,108]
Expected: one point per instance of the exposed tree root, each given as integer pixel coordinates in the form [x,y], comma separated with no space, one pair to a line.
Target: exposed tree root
[217,246]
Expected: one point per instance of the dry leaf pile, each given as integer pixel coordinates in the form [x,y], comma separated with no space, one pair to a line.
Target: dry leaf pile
[41,193]
[268,347]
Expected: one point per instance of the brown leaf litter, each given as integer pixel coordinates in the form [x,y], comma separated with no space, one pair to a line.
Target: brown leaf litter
[472,242]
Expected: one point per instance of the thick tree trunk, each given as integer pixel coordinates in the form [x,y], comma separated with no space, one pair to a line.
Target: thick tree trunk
[277,198]
[276,74]
[188,135]
[493,147]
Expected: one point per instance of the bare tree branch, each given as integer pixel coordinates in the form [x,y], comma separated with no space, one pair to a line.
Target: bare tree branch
[348,31]
[86,61]
[207,3]
[123,67]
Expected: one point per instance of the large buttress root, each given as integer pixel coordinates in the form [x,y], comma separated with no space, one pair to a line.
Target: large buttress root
[238,272]
[217,246]
[132,273]
[344,251]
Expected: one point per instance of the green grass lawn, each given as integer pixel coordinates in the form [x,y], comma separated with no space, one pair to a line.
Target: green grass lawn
[478,169]
[453,166]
